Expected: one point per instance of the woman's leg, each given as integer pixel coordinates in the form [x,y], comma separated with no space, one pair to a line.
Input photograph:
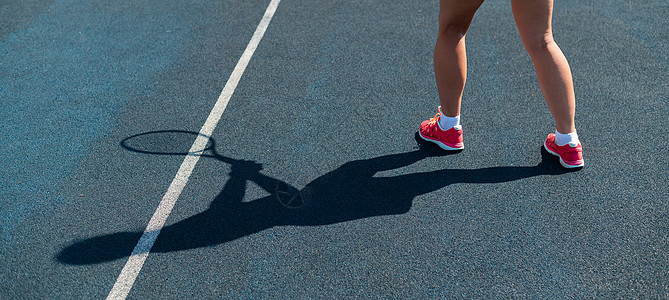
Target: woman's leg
[450,58]
[533,18]
[450,69]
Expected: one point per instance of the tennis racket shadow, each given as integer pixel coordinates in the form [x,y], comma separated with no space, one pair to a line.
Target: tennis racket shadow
[350,192]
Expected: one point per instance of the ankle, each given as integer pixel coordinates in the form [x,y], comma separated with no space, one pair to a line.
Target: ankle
[562,139]
[446,123]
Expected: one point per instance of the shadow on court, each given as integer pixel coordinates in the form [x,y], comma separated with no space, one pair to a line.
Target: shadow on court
[349,192]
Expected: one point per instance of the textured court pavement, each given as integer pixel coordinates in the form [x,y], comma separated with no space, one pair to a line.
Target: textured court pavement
[329,105]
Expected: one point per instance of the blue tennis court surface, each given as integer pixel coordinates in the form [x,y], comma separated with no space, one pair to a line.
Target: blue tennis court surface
[318,186]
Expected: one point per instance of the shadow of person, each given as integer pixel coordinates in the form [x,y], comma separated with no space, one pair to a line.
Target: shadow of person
[350,192]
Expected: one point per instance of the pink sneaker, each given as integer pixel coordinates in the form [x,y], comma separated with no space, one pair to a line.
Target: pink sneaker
[450,139]
[570,157]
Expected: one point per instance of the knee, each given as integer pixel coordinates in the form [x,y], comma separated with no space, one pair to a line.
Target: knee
[537,46]
[453,30]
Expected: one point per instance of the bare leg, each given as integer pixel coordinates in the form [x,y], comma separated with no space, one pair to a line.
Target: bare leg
[533,18]
[450,58]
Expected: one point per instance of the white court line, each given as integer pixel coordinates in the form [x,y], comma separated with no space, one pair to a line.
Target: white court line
[136,260]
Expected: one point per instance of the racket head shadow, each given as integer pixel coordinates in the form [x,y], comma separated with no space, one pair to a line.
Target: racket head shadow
[167,142]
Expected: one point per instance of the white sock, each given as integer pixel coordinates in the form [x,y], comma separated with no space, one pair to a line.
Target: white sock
[446,123]
[562,139]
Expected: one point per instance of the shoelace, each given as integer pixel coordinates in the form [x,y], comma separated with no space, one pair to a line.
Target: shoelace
[436,117]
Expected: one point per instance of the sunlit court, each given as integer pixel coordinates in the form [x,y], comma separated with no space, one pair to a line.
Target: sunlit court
[279,149]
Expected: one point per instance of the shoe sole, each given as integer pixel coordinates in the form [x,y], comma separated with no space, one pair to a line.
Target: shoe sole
[440,144]
[564,164]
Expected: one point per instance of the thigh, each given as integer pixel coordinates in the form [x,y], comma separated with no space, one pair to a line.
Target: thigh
[533,19]
[457,12]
